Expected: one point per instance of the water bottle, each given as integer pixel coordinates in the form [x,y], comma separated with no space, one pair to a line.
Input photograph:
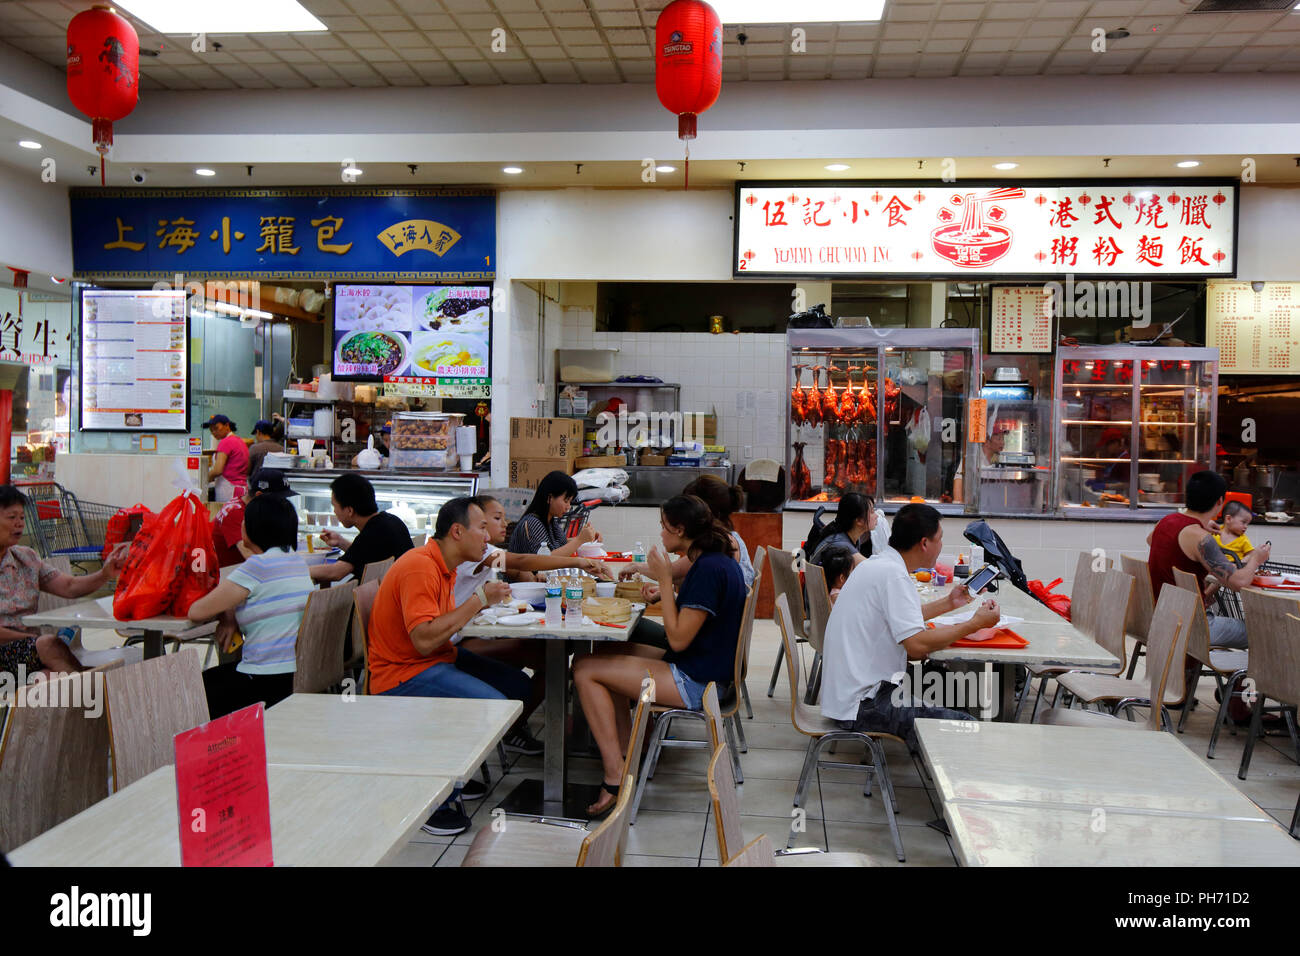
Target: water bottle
[544,549]
[573,602]
[554,600]
[638,554]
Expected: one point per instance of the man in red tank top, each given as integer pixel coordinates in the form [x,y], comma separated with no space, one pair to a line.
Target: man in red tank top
[1184,541]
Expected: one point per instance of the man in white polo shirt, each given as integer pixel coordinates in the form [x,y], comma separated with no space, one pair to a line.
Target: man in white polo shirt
[878,625]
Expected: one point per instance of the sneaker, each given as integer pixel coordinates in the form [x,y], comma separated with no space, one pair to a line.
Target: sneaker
[446,821]
[522,742]
[473,790]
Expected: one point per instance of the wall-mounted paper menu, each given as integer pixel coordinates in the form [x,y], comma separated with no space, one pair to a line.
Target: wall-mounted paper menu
[1256,333]
[134,361]
[1021,319]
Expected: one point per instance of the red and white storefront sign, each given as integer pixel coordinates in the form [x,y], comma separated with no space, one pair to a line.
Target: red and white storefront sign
[959,230]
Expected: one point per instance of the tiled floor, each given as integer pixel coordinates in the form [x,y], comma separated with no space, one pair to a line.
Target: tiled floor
[674,827]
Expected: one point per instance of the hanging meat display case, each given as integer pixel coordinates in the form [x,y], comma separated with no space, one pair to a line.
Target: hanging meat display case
[882,412]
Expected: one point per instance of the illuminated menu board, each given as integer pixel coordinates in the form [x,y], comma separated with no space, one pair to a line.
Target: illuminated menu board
[134,361]
[1256,333]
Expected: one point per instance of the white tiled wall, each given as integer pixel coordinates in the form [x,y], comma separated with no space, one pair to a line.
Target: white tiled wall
[741,377]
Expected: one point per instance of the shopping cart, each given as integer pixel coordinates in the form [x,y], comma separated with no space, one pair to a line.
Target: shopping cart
[60,523]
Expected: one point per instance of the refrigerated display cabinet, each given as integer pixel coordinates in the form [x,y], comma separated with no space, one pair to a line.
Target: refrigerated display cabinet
[1159,401]
[413,497]
[879,411]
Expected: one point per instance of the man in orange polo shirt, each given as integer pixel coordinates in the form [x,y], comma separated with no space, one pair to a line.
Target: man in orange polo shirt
[413,619]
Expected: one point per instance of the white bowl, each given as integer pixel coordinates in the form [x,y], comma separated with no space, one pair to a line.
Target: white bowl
[606,588]
[591,549]
[530,591]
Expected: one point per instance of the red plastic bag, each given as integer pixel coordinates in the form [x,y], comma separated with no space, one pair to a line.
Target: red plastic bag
[1060,603]
[164,558]
[120,525]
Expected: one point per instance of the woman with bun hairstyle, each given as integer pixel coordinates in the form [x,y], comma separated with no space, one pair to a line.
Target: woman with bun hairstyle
[701,623]
[722,500]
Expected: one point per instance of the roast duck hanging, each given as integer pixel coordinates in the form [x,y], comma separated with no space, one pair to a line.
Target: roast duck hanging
[848,461]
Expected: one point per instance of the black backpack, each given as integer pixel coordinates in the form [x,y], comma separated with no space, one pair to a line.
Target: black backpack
[997,553]
[819,531]
[814,318]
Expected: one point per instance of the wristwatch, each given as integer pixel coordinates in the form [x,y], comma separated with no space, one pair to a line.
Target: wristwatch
[481,594]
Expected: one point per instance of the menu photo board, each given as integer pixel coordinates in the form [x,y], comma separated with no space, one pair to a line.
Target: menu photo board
[135,365]
[437,336]
[1020,319]
[1256,330]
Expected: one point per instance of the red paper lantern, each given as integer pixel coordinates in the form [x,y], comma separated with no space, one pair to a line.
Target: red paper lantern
[103,71]
[688,61]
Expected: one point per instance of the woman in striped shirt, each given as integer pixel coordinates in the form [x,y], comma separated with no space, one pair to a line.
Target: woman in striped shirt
[265,598]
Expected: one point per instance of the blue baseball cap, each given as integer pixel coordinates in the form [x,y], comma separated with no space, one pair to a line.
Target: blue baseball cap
[219,420]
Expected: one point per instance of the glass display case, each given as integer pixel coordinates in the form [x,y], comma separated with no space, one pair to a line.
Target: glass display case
[881,412]
[1015,460]
[415,498]
[1157,404]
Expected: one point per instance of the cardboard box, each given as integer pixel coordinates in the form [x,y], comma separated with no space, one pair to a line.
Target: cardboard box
[654,461]
[552,438]
[528,472]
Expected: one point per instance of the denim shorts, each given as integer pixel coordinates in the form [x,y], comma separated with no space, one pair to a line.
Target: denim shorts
[692,691]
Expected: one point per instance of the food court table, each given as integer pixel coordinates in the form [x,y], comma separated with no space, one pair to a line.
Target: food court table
[317,819]
[553,798]
[443,736]
[1052,641]
[98,613]
[1030,794]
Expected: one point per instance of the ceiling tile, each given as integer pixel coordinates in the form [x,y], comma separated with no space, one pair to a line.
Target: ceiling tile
[383,55]
[944,46]
[1001,28]
[343,24]
[486,22]
[899,46]
[1037,44]
[619,18]
[433,21]
[362,41]
[405,39]
[388,24]
[904,31]
[1051,28]
[1011,11]
[572,38]
[372,6]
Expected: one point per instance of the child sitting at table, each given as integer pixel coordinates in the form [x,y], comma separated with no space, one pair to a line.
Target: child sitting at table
[701,622]
[265,596]
[1232,539]
[837,562]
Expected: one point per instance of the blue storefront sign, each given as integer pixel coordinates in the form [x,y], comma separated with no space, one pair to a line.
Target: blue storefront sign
[372,234]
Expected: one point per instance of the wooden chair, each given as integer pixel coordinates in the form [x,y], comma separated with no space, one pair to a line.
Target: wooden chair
[819,612]
[760,558]
[363,601]
[1274,622]
[376,570]
[1086,594]
[1157,681]
[822,731]
[319,648]
[1175,604]
[148,704]
[786,581]
[729,707]
[757,852]
[53,759]
[1112,593]
[1226,665]
[547,843]
[1140,611]
[731,839]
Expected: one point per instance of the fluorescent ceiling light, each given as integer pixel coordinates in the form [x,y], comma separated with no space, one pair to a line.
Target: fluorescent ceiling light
[203,171]
[1005,165]
[228,16]
[749,12]
[512,170]
[835,167]
[29,144]
[1188,164]
[665,169]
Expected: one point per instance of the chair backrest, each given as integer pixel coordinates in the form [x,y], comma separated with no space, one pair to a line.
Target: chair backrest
[819,604]
[793,659]
[1144,601]
[53,755]
[1176,605]
[1085,595]
[786,581]
[376,570]
[321,635]
[1114,598]
[632,759]
[601,847]
[758,852]
[741,665]
[363,601]
[726,803]
[149,703]
[50,602]
[1273,628]
[760,561]
[1198,627]
[1158,670]
[717,732]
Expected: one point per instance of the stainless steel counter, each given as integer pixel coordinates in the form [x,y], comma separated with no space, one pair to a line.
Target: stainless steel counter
[654,484]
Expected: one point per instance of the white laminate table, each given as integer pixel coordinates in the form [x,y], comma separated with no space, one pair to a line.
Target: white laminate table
[439,736]
[1026,794]
[98,613]
[551,800]
[317,819]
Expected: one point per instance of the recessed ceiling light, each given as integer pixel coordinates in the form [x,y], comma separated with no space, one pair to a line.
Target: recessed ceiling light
[229,16]
[750,12]
[29,144]
[512,170]
[1120,34]
[835,167]
[204,171]
[353,171]
[1005,165]
[1189,164]
[665,169]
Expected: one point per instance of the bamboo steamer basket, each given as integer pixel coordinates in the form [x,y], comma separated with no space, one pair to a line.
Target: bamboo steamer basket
[605,610]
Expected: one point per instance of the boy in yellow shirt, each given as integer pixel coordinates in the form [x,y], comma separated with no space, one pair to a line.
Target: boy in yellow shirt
[1236,519]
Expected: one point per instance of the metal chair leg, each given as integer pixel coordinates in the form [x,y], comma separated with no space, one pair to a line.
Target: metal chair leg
[1133,661]
[744,692]
[809,761]
[656,745]
[891,804]
[729,726]
[1256,718]
[487,777]
[776,668]
[1225,699]
[1038,698]
[740,734]
[814,677]
[501,755]
[1191,696]
[1290,718]
[1295,821]
[1020,698]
